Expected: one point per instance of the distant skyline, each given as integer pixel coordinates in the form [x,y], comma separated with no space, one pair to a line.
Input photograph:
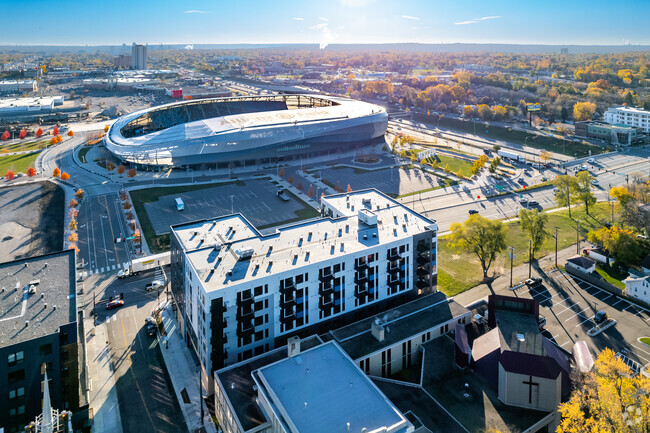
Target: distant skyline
[553,22]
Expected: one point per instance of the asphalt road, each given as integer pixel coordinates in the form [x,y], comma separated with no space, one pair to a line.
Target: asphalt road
[146,398]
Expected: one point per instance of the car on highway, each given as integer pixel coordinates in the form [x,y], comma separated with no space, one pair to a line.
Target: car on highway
[591,160]
[600,317]
[473,212]
[115,303]
[154,285]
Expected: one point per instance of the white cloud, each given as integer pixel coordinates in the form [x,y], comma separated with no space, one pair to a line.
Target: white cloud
[323,19]
[319,26]
[410,18]
[476,20]
[299,19]
[196,12]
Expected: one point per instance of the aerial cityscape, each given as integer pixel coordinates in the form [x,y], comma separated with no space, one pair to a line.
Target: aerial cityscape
[320,217]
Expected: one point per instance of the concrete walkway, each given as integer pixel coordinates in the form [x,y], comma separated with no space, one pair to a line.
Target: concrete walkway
[184,373]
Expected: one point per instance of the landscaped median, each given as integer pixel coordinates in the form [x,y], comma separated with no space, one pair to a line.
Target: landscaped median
[458,272]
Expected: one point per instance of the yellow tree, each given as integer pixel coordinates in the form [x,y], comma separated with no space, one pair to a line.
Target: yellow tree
[545,156]
[583,111]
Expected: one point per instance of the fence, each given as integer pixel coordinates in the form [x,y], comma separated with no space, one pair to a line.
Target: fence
[598,282]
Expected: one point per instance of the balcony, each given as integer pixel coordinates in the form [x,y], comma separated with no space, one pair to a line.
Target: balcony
[325,276]
[361,292]
[245,328]
[325,303]
[360,279]
[325,289]
[288,287]
[287,316]
[244,313]
[393,256]
[393,269]
[287,301]
[361,266]
[243,303]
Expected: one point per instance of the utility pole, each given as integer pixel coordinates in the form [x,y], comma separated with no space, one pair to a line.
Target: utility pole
[556,229]
[530,257]
[577,237]
[512,257]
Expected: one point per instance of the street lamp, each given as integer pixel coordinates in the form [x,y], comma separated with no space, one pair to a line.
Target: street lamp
[512,257]
[556,229]
[577,237]
[530,257]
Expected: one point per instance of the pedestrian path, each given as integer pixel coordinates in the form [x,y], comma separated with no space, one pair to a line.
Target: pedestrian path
[105,269]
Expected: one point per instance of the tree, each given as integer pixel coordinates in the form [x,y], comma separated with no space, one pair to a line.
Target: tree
[73,203]
[469,112]
[484,112]
[479,236]
[79,194]
[533,223]
[310,192]
[300,187]
[55,131]
[5,136]
[290,180]
[349,188]
[73,237]
[545,156]
[496,147]
[72,213]
[70,133]
[131,173]
[39,132]
[22,134]
[110,166]
[56,172]
[121,169]
[65,176]
[621,243]
[127,205]
[566,186]
[609,398]
[31,172]
[10,175]
[106,128]
[621,194]
[564,114]
[582,191]
[73,224]
[583,111]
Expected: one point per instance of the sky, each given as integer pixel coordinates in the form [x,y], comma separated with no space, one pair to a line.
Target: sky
[100,22]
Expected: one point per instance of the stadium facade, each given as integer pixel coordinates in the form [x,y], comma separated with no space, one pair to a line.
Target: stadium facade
[244,130]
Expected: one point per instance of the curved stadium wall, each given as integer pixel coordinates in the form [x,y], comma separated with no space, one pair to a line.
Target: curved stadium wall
[215,132]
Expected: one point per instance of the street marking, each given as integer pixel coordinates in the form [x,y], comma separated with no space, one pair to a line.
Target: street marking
[102,270]
[586,320]
[568,341]
[609,295]
[637,347]
[619,301]
[113,267]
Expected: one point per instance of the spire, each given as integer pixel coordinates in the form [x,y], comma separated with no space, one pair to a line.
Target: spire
[46,424]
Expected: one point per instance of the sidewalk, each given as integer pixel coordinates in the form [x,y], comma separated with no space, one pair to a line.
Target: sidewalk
[501,284]
[103,394]
[184,374]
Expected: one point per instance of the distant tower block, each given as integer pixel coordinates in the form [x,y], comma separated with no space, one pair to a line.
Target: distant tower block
[564,51]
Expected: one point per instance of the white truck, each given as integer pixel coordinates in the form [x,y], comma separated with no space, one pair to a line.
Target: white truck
[144,263]
[510,155]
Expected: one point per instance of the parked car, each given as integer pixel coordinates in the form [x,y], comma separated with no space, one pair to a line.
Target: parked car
[521,180]
[523,200]
[541,322]
[533,282]
[473,211]
[594,182]
[544,179]
[533,203]
[600,317]
[115,303]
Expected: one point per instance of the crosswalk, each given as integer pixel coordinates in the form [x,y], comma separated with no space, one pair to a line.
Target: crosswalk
[101,270]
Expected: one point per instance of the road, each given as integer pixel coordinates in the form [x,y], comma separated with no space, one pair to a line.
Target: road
[146,398]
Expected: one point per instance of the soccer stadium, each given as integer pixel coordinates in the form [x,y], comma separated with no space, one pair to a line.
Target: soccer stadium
[214,132]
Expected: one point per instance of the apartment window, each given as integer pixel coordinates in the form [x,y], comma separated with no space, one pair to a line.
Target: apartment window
[259,290]
[15,358]
[16,376]
[16,393]
[299,279]
[46,349]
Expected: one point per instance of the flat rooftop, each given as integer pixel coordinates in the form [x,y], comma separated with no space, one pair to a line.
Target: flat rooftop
[300,244]
[399,323]
[28,102]
[237,381]
[218,231]
[53,279]
[323,391]
[520,333]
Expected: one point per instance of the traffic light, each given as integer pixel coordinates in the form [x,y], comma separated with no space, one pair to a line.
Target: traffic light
[121,295]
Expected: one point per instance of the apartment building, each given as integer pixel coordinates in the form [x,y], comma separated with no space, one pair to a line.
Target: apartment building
[630,116]
[239,294]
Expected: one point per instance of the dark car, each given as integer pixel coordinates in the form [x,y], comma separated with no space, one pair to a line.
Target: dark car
[533,203]
[600,317]
[115,303]
[473,211]
[521,181]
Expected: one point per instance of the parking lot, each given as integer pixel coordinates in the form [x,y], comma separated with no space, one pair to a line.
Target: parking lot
[255,199]
[569,305]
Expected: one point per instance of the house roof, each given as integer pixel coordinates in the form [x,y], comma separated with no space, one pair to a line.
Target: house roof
[583,262]
[529,364]
[486,344]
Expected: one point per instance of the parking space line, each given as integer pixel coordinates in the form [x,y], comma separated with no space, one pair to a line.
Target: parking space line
[586,320]
[609,295]
[618,302]
[642,350]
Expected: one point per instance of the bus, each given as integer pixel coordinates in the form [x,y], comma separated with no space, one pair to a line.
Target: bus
[179,204]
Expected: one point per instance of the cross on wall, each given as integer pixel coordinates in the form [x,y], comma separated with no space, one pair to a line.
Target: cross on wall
[530,384]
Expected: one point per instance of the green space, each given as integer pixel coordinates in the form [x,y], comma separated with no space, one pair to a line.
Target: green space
[458,272]
[23,146]
[645,340]
[160,243]
[553,144]
[18,163]
[82,153]
[611,276]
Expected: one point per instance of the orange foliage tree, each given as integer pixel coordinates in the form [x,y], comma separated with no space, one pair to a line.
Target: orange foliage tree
[5,136]
[39,132]
[55,131]
[73,237]
[70,133]
[65,176]
[56,172]
[131,172]
[22,134]
[120,169]
[31,172]
[9,175]
[110,166]
[73,203]
[79,194]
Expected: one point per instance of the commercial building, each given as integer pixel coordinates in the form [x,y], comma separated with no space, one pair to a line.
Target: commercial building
[122,61]
[38,333]
[307,387]
[617,134]
[239,294]
[138,56]
[630,116]
[242,130]
[13,86]
[29,106]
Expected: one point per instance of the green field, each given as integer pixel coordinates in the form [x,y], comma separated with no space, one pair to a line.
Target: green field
[24,146]
[645,340]
[458,272]
[608,275]
[82,153]
[18,163]
[455,164]
[553,144]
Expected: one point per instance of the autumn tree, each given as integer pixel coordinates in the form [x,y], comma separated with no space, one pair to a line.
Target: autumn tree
[56,172]
[65,176]
[583,111]
[582,190]
[70,133]
[73,203]
[349,188]
[484,112]
[72,225]
[281,172]
[22,134]
[72,213]
[622,243]
[545,156]
[565,186]
[110,166]
[39,132]
[55,131]
[121,169]
[106,128]
[300,187]
[290,180]
[481,237]
[79,194]
[131,173]
[73,237]
[310,192]
[533,223]
[609,398]
[127,205]
[469,112]
[31,172]
[5,136]
[10,175]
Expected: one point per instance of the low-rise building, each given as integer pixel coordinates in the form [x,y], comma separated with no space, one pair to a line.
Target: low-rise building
[309,387]
[616,134]
[582,264]
[13,86]
[637,286]
[631,116]
[240,294]
[39,332]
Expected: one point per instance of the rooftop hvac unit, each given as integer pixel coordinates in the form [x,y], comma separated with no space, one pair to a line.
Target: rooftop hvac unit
[245,253]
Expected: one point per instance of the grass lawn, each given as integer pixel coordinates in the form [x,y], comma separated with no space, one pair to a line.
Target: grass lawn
[553,144]
[24,146]
[18,163]
[455,164]
[609,277]
[458,272]
[82,153]
[645,340]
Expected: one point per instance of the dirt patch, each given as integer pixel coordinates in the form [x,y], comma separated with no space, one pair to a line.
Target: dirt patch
[31,222]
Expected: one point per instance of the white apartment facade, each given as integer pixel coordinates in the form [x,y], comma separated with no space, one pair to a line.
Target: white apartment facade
[629,116]
[638,287]
[240,294]
[138,56]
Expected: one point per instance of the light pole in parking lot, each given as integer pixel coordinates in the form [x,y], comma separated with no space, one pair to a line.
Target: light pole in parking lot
[512,257]
[530,257]
[556,229]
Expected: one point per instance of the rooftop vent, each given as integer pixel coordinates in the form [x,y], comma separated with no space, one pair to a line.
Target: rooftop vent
[377,330]
[521,337]
[293,346]
[245,253]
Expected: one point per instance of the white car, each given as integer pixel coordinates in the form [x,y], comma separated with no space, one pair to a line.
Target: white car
[595,183]
[591,160]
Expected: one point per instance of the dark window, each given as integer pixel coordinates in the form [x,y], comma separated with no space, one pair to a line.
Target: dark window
[16,376]
[63,339]
[259,320]
[337,268]
[266,303]
[46,349]
[259,335]
[259,290]
[259,306]
[299,279]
